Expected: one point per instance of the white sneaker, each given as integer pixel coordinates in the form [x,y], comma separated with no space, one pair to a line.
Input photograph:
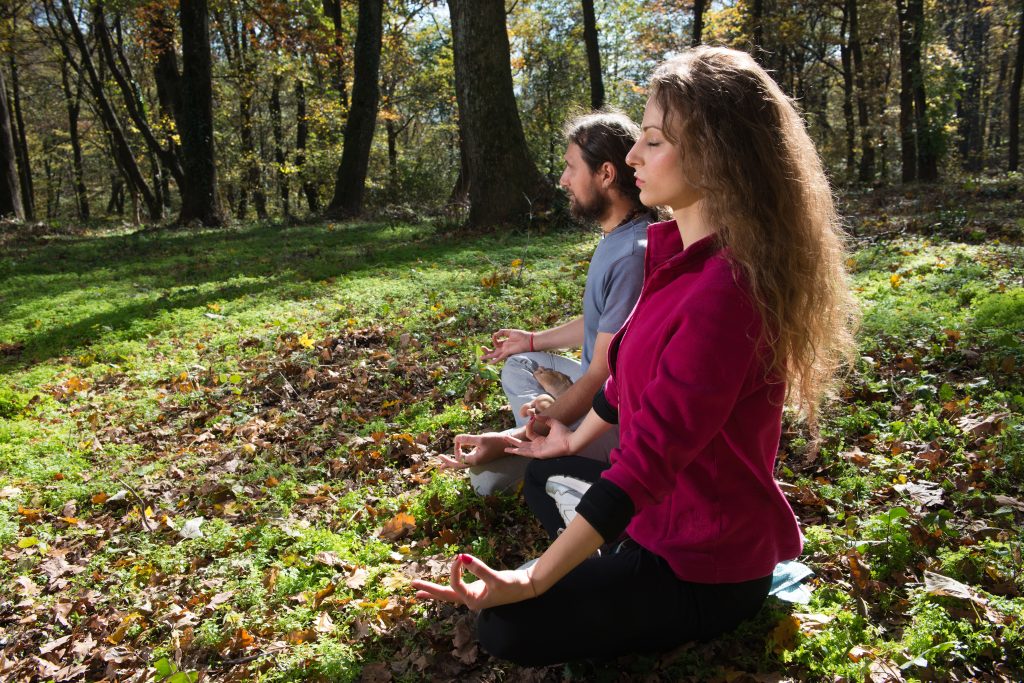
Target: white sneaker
[567,493]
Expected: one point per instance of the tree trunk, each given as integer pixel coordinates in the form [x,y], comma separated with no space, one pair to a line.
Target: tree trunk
[73,101]
[277,129]
[199,191]
[757,29]
[10,194]
[866,168]
[350,182]
[698,21]
[309,188]
[28,201]
[119,69]
[505,186]
[593,55]
[969,105]
[119,140]
[846,59]
[908,145]
[332,8]
[1014,105]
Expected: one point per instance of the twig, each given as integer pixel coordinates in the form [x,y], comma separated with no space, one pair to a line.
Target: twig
[139,500]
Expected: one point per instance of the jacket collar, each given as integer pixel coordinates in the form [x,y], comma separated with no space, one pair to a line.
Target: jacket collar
[664,244]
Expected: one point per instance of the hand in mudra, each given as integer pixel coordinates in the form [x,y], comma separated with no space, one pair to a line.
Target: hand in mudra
[536,445]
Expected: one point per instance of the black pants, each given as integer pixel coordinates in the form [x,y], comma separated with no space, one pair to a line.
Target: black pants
[626,601]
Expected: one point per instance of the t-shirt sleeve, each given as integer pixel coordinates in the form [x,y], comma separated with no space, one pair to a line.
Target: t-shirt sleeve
[621,290]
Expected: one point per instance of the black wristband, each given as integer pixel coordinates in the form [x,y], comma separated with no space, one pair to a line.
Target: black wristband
[608,509]
[604,409]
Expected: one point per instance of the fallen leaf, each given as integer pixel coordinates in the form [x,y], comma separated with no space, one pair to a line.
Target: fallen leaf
[398,527]
[926,493]
[191,528]
[358,578]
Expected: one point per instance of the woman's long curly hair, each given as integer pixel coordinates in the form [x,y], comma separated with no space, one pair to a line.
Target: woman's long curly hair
[744,143]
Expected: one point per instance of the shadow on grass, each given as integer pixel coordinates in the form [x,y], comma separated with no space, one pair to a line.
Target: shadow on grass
[177,268]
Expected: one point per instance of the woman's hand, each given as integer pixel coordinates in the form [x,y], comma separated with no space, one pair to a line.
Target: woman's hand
[482,448]
[557,441]
[494,587]
[507,343]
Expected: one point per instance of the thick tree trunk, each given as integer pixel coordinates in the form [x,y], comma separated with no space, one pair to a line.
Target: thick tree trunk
[866,168]
[593,47]
[908,142]
[392,131]
[1014,104]
[698,21]
[309,188]
[350,182]
[199,191]
[119,141]
[277,130]
[28,201]
[73,100]
[10,194]
[505,186]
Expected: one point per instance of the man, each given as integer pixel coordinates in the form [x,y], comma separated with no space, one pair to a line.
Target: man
[602,189]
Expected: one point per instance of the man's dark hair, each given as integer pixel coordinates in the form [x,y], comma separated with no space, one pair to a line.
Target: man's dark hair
[607,136]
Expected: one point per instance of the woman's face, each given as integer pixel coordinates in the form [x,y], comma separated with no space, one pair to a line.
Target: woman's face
[659,165]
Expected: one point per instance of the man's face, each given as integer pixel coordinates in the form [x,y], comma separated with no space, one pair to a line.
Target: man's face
[587,199]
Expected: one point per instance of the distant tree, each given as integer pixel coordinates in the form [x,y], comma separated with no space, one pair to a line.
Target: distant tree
[1014,105]
[698,21]
[504,183]
[593,55]
[10,194]
[350,181]
[199,201]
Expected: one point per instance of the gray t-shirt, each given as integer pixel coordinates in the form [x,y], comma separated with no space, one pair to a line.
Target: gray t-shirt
[613,282]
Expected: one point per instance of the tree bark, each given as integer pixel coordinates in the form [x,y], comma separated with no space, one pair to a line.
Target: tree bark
[277,130]
[350,181]
[1014,104]
[199,191]
[866,168]
[73,100]
[28,201]
[593,47]
[970,129]
[10,194]
[908,142]
[332,8]
[698,21]
[119,140]
[846,59]
[505,186]
[309,188]
[119,69]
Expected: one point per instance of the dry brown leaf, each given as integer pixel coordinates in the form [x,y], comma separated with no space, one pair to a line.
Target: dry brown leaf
[398,527]
[358,578]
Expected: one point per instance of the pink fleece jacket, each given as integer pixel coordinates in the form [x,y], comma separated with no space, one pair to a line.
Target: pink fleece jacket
[699,422]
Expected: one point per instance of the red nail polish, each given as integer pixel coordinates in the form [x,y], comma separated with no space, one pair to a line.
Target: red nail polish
[466,558]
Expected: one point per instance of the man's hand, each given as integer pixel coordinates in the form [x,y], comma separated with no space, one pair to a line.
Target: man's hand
[494,587]
[475,449]
[537,406]
[507,343]
[556,442]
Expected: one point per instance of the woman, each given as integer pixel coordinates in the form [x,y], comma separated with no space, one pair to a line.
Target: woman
[744,305]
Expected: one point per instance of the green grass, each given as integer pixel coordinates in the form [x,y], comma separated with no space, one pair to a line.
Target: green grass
[292,385]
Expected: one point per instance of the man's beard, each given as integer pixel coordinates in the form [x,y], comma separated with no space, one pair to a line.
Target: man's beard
[592,211]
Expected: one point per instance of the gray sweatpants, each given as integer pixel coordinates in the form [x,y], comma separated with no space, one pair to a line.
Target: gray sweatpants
[521,387]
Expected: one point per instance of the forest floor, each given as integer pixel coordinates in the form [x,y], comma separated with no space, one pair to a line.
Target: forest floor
[218,452]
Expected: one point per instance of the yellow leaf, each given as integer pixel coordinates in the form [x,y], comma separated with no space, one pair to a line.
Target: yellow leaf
[28,542]
[895,280]
[306,341]
[100,498]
